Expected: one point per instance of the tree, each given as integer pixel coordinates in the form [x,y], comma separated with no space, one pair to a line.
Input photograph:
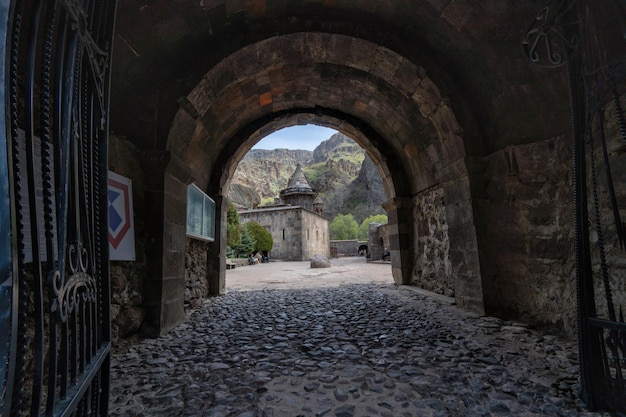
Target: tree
[233,227]
[365,224]
[263,238]
[247,244]
[344,227]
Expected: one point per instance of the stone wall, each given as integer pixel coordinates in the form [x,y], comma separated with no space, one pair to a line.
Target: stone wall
[526,235]
[298,199]
[347,247]
[289,227]
[127,312]
[377,241]
[285,225]
[196,282]
[315,235]
[127,278]
[432,269]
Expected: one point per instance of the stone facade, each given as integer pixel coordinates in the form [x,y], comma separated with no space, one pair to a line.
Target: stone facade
[527,238]
[128,279]
[432,270]
[196,283]
[347,247]
[127,312]
[378,241]
[296,224]
[298,234]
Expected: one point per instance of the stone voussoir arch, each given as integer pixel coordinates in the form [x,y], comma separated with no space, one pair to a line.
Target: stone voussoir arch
[244,84]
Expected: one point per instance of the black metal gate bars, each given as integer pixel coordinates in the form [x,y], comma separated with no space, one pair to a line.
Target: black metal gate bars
[589,38]
[54,280]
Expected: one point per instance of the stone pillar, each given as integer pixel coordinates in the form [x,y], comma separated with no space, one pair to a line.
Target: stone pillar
[464,253]
[216,255]
[374,248]
[165,218]
[174,249]
[400,224]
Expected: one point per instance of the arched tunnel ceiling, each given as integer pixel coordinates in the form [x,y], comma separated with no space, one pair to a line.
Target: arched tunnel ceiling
[469,48]
[388,96]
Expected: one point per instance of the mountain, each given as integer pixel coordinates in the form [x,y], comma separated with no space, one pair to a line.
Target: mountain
[336,148]
[267,172]
[366,194]
[338,169]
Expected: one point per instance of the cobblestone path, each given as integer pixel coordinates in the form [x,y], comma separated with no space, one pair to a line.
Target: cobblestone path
[356,350]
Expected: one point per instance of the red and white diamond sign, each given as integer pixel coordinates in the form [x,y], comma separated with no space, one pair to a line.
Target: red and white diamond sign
[121,225]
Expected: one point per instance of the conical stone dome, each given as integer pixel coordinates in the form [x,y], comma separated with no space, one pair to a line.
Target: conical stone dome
[298,183]
[298,191]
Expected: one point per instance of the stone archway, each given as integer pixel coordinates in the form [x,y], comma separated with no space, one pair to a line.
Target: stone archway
[438,90]
[388,104]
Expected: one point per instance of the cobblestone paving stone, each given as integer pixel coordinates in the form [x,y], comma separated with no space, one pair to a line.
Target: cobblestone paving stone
[356,350]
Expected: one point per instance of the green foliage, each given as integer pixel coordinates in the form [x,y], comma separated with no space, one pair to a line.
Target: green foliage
[262,238]
[233,227]
[321,171]
[344,227]
[247,244]
[355,158]
[365,224]
[313,172]
[266,201]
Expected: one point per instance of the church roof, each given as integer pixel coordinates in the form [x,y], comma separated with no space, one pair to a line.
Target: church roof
[298,183]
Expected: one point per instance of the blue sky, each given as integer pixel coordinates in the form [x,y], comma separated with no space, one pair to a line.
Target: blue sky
[296,137]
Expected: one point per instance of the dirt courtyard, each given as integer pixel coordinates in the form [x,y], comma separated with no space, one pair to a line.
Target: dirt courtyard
[296,274]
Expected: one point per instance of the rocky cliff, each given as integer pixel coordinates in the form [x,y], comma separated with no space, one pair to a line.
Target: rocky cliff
[266,172]
[337,146]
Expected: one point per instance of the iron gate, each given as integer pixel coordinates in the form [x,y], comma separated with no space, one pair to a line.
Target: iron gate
[589,38]
[54,279]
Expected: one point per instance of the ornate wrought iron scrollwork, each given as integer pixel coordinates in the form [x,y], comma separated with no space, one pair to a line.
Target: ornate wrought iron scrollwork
[78,287]
[98,58]
[546,42]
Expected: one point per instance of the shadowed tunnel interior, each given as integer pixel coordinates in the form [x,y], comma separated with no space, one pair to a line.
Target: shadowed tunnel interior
[471,140]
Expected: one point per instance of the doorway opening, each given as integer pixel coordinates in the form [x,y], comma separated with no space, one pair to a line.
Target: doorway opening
[314,191]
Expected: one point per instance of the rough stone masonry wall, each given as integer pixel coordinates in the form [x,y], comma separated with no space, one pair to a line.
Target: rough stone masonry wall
[378,241]
[127,278]
[433,270]
[347,247]
[285,225]
[526,235]
[315,235]
[196,282]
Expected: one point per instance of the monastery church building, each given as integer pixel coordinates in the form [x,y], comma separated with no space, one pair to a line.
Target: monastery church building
[295,221]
